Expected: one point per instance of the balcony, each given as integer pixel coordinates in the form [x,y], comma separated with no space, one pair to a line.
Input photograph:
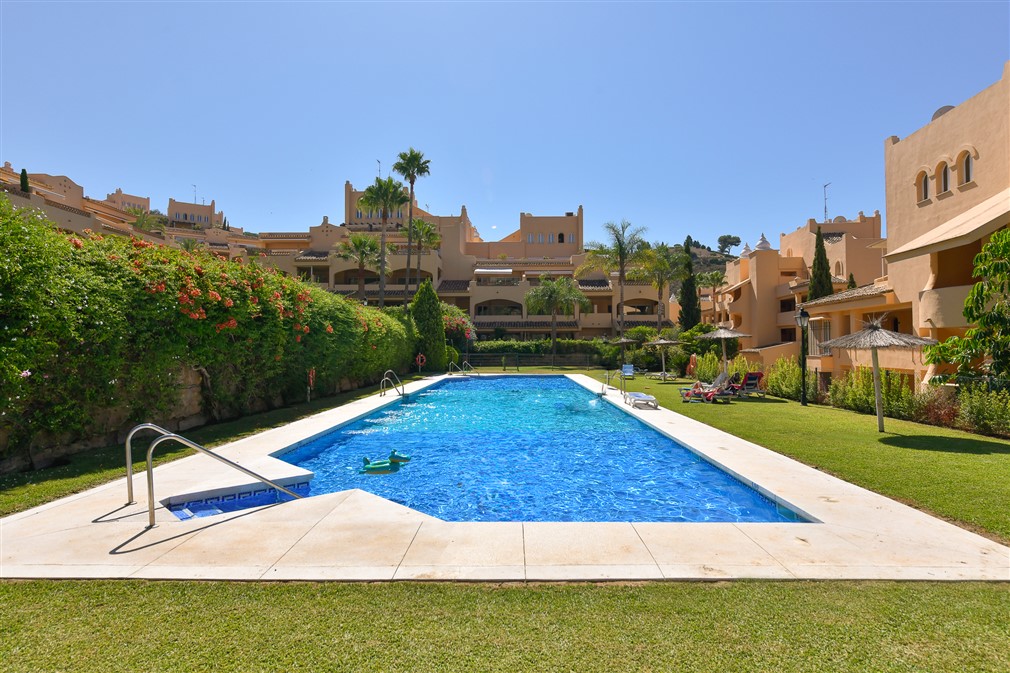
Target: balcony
[596,320]
[944,306]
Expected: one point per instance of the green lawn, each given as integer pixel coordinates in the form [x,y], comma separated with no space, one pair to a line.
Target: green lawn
[720,627]
[664,626]
[959,476]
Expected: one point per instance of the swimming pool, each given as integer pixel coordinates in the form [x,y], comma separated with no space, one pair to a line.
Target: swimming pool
[515,448]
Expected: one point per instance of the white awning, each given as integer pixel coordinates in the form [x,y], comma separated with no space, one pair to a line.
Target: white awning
[493,272]
[971,225]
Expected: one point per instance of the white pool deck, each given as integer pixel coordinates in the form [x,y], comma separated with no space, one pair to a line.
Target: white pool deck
[356,536]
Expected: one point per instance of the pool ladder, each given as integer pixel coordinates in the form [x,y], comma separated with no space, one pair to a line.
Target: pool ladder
[391,380]
[466,370]
[167,435]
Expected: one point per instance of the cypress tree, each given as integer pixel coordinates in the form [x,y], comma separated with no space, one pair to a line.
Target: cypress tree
[25,187]
[820,273]
[430,329]
[690,307]
[852,283]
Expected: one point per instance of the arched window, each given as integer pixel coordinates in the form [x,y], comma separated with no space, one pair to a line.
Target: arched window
[838,269]
[967,169]
[943,177]
[540,238]
[561,238]
[922,186]
[550,238]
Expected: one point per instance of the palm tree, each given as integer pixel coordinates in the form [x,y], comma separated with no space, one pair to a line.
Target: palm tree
[660,265]
[427,238]
[624,247]
[384,196]
[552,296]
[364,250]
[190,245]
[712,279]
[412,165]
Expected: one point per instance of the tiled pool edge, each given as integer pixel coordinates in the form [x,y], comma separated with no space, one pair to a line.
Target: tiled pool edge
[354,536]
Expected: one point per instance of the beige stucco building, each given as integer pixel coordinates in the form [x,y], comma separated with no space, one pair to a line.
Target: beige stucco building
[193,215]
[948,190]
[764,286]
[124,201]
[488,279]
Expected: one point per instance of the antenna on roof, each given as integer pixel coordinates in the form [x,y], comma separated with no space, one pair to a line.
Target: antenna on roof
[194,193]
[380,168]
[826,201]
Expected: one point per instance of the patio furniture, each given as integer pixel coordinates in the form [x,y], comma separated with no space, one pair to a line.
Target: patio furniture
[627,371]
[751,385]
[636,399]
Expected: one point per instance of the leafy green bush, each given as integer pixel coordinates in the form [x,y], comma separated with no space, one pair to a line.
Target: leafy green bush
[458,328]
[708,367]
[984,411]
[96,332]
[430,328]
[784,379]
[854,390]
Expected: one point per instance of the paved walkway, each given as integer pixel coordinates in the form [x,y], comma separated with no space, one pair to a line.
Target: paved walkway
[354,535]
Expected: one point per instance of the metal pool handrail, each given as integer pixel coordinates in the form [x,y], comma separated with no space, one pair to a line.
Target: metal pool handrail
[194,445]
[453,365]
[468,368]
[395,382]
[129,455]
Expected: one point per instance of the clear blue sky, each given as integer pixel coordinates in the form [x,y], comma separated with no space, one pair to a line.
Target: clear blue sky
[685,118]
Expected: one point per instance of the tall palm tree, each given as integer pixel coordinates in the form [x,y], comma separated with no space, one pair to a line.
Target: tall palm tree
[411,165]
[660,266]
[552,296]
[427,238]
[624,247]
[712,279]
[362,249]
[384,196]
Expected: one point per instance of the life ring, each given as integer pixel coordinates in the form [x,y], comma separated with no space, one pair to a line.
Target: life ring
[420,359]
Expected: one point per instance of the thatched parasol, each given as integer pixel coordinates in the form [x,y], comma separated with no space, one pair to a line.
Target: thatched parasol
[661,342]
[622,342]
[872,337]
[722,334]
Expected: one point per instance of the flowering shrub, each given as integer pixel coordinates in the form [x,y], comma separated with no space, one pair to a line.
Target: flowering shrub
[97,330]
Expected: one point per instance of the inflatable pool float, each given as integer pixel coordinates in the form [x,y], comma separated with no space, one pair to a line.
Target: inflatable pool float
[379,467]
[396,457]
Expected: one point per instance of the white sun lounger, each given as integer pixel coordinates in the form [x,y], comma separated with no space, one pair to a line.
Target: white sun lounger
[636,399]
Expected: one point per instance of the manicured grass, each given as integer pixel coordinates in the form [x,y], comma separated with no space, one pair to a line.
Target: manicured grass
[725,627]
[954,474]
[720,627]
[23,490]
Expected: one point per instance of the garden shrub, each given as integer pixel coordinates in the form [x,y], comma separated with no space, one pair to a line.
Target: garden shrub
[983,411]
[854,390]
[708,367]
[97,330]
[784,379]
[458,328]
[430,328]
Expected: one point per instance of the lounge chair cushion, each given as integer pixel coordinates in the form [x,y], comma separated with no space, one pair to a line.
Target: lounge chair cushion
[635,399]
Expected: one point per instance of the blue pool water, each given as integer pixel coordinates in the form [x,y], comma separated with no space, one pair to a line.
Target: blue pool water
[528,449]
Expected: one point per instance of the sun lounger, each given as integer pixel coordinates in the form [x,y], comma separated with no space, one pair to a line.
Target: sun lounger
[636,399]
[698,393]
[661,376]
[627,371]
[751,385]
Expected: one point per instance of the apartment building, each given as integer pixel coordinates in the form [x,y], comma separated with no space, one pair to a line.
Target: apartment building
[764,286]
[947,191]
[127,202]
[184,215]
[488,279]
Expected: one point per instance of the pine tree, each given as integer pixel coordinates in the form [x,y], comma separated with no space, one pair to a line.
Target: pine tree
[820,272]
[25,187]
[430,328]
[690,307]
[852,283]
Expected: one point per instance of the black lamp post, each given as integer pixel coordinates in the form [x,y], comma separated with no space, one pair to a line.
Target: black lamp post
[803,320]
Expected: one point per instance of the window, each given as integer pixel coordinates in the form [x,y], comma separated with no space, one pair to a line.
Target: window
[561,238]
[550,238]
[358,214]
[944,176]
[922,186]
[529,238]
[838,269]
[967,169]
[540,238]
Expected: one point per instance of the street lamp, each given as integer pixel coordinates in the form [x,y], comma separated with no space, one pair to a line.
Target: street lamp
[803,320]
